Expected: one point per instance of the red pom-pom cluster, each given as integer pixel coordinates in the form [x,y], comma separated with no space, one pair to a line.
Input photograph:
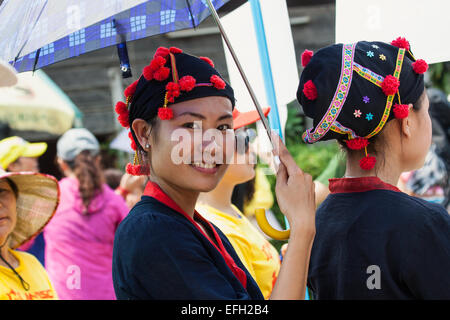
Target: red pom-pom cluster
[187,83]
[390,85]
[401,111]
[165,113]
[367,163]
[131,89]
[420,66]
[207,60]
[310,90]
[217,82]
[401,43]
[133,143]
[173,91]
[357,143]
[161,51]
[122,111]
[156,69]
[306,57]
[175,50]
[137,170]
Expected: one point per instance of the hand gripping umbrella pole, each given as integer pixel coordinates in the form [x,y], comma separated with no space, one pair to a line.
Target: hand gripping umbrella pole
[260,213]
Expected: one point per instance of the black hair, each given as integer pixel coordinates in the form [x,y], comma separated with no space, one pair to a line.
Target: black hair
[243,193]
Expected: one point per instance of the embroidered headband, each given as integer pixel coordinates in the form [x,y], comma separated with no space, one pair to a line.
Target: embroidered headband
[343,86]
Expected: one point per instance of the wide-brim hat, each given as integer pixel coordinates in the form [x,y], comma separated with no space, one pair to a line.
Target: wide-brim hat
[37,201]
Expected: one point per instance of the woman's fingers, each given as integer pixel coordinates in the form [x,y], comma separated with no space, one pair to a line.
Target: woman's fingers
[285,156]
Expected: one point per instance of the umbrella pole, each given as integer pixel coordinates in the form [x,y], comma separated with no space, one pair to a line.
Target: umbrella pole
[241,71]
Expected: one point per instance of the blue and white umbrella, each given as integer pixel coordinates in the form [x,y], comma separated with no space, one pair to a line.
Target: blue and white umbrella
[37,33]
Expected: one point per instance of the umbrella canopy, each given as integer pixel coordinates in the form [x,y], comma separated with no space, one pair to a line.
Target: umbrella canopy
[35,103]
[41,32]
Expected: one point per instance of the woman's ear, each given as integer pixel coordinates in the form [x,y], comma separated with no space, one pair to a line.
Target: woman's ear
[406,124]
[142,132]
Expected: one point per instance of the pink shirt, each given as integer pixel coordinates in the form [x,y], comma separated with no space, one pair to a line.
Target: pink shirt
[78,251]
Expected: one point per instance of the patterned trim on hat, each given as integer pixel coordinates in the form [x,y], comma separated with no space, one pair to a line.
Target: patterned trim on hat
[390,99]
[338,100]
[368,74]
[339,128]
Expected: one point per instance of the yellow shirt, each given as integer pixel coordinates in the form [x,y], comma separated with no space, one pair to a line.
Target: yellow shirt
[256,253]
[31,270]
[263,197]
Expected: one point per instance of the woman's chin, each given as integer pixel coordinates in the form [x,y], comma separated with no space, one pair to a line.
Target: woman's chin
[205,178]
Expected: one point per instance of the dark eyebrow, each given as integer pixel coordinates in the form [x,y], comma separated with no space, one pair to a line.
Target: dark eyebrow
[200,116]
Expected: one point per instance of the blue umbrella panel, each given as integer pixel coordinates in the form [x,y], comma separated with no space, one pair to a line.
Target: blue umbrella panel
[147,19]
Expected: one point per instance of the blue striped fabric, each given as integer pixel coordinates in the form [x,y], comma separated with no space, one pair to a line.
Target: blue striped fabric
[150,18]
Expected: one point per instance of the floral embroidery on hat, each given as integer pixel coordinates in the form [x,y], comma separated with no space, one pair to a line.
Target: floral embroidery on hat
[382,57]
[366,99]
[357,113]
[369,116]
[375,46]
[370,53]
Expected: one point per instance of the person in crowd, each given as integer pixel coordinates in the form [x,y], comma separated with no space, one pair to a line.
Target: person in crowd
[259,257]
[79,239]
[19,155]
[165,249]
[432,181]
[27,203]
[374,241]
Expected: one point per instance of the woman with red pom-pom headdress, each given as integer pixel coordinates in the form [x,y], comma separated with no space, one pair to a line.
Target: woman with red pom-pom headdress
[373,241]
[165,249]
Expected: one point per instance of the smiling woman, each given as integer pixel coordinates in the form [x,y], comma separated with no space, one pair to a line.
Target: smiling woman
[180,115]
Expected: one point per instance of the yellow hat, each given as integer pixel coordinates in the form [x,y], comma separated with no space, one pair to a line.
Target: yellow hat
[13,148]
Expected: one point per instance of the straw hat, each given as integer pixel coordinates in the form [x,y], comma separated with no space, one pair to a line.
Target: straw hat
[37,200]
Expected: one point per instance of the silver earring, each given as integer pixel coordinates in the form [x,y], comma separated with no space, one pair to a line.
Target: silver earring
[147,146]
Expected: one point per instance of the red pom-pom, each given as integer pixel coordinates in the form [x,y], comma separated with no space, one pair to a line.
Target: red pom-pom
[137,170]
[306,57]
[165,113]
[420,66]
[161,74]
[121,108]
[400,43]
[357,143]
[207,60]
[401,111]
[124,120]
[175,50]
[147,72]
[173,91]
[390,85]
[161,51]
[157,63]
[310,90]
[133,143]
[187,83]
[367,163]
[131,89]
[217,82]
